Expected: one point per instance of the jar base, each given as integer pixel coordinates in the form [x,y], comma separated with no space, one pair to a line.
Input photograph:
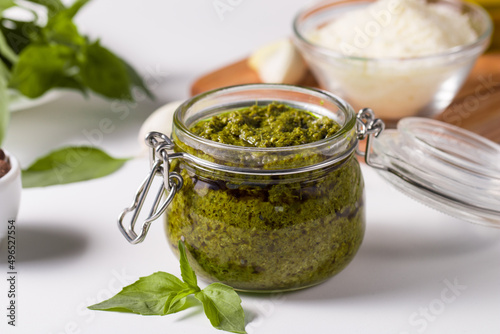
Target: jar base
[280,290]
[268,291]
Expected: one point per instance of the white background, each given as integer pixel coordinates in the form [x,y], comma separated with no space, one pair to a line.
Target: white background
[71,254]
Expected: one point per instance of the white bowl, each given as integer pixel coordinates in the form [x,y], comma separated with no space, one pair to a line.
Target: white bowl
[10,195]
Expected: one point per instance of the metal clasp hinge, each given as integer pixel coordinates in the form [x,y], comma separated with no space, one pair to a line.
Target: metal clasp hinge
[171,183]
[368,127]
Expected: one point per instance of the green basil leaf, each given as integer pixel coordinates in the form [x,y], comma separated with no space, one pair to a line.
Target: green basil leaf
[4,73]
[19,34]
[151,295]
[71,164]
[6,51]
[179,302]
[222,305]
[4,4]
[187,273]
[137,80]
[42,67]
[105,73]
[61,29]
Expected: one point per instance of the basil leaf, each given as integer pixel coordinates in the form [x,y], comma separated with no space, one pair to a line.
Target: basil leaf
[6,51]
[19,34]
[105,73]
[151,295]
[187,273]
[179,302]
[137,80]
[222,305]
[4,4]
[4,73]
[71,164]
[42,67]
[61,29]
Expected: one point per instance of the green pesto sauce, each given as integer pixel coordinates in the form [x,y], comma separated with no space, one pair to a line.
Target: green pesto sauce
[268,233]
[273,125]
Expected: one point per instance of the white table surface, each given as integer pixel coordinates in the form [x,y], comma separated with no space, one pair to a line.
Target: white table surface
[71,254]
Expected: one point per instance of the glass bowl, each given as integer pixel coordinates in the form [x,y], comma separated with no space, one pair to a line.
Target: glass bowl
[393,87]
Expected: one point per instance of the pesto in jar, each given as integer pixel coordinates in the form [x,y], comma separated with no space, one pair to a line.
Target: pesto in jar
[274,125]
[268,233]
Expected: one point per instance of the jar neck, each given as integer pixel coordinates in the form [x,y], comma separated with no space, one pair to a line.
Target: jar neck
[251,160]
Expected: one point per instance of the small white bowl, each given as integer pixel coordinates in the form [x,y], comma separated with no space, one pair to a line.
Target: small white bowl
[10,195]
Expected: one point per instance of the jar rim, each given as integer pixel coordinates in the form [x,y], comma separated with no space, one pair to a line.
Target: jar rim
[286,159]
[349,124]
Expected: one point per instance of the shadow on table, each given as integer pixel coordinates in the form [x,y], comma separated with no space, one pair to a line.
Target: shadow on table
[47,243]
[402,260]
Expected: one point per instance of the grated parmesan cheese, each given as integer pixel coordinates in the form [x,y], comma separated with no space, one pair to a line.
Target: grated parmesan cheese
[396,29]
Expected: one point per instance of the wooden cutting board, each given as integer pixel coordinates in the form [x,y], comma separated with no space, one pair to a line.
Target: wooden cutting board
[476,107]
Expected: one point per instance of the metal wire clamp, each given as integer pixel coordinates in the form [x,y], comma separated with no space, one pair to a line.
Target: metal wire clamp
[171,183]
[368,127]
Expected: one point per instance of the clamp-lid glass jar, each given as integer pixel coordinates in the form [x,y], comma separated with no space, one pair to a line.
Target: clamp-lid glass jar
[285,218]
[271,218]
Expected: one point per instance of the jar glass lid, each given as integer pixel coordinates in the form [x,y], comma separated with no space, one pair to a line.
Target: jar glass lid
[448,168]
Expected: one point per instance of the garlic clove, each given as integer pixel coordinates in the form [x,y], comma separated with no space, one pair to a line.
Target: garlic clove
[278,62]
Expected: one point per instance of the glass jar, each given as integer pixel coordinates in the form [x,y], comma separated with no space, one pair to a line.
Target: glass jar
[285,218]
[278,218]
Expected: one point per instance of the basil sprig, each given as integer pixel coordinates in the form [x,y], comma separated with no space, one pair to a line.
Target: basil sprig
[46,52]
[55,55]
[162,293]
